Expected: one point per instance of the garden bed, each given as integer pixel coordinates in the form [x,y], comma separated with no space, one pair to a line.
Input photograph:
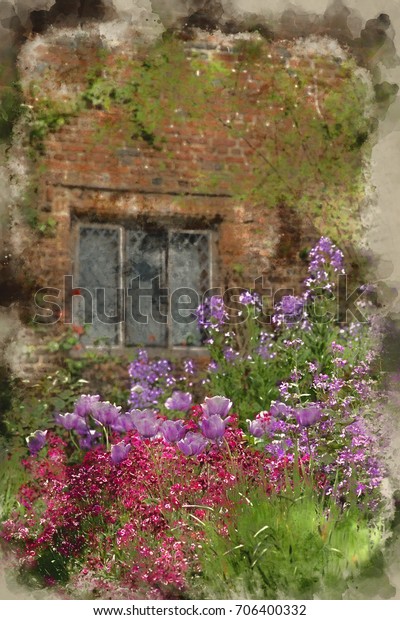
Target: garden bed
[269,486]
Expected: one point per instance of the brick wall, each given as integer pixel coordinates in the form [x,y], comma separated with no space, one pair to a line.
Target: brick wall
[92,170]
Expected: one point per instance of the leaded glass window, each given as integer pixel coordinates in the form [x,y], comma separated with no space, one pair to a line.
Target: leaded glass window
[145,284]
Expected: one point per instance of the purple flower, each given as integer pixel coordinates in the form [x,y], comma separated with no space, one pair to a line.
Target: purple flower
[213,427]
[278,409]
[217,405]
[119,452]
[173,430]
[308,416]
[36,441]
[189,367]
[72,422]
[85,404]
[291,306]
[146,422]
[249,299]
[257,428]
[212,366]
[212,314]
[105,413]
[323,256]
[123,423]
[87,441]
[179,401]
[230,354]
[192,444]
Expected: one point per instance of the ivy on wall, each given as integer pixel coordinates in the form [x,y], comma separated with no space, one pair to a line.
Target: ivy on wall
[309,151]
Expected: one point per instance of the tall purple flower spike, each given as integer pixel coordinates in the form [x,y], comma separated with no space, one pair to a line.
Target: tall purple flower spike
[36,441]
[217,405]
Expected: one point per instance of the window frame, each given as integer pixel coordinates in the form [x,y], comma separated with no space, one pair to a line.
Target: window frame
[122,228]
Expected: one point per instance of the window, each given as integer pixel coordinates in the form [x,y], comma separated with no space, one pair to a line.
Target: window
[141,286]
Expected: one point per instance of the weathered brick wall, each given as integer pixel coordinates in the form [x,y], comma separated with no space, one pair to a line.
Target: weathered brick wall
[91,169]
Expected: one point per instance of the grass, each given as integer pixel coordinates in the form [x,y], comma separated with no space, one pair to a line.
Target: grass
[287,546]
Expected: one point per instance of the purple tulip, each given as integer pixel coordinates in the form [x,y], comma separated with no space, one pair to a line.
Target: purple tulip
[217,405]
[85,404]
[105,413]
[257,428]
[173,430]
[308,416]
[36,441]
[72,422]
[146,422]
[87,441]
[119,452]
[123,423]
[213,427]
[278,409]
[179,401]
[192,444]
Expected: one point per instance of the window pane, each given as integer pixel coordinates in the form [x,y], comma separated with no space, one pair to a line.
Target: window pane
[99,269]
[146,320]
[189,279]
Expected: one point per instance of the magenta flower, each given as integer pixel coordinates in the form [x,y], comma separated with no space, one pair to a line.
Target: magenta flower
[119,452]
[173,430]
[217,405]
[36,441]
[85,404]
[192,444]
[179,401]
[72,422]
[146,422]
[105,413]
[213,427]
[308,416]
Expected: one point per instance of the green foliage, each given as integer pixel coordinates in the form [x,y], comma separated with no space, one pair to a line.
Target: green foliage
[44,226]
[311,144]
[13,476]
[33,405]
[252,382]
[48,115]
[159,86]
[309,152]
[286,546]
[10,105]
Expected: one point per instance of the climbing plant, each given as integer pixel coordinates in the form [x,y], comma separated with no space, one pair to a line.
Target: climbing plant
[310,138]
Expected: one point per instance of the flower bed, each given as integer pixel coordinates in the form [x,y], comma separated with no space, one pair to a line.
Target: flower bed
[269,487]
